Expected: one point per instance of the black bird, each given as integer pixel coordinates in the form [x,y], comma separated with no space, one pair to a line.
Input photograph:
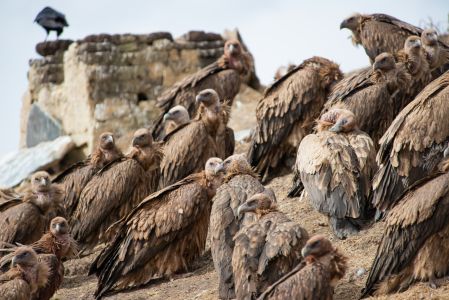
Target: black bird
[51,20]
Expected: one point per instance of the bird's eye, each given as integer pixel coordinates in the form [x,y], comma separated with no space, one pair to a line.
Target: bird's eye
[316,243]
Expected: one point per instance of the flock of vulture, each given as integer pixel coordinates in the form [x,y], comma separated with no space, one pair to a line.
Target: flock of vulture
[179,185]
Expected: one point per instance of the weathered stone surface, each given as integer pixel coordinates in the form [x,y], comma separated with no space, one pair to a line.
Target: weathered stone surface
[52,47]
[41,127]
[18,165]
[199,36]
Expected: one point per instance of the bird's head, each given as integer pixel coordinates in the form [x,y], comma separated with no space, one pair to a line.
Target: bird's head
[214,167]
[316,247]
[142,138]
[177,114]
[208,98]
[24,257]
[259,204]
[107,141]
[351,22]
[232,48]
[59,226]
[412,43]
[429,37]
[384,62]
[337,120]
[40,181]
[236,163]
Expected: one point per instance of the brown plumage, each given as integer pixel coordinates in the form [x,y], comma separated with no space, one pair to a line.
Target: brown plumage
[413,60]
[175,117]
[187,149]
[265,249]
[25,277]
[25,219]
[415,243]
[241,182]
[224,76]
[282,71]
[162,235]
[336,165]
[8,194]
[414,144]
[436,51]
[379,33]
[313,279]
[75,178]
[112,193]
[372,95]
[286,113]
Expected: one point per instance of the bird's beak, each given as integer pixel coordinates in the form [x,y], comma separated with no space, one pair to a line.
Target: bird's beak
[199,98]
[110,139]
[446,152]
[58,228]
[135,142]
[43,182]
[417,44]
[13,262]
[343,24]
[337,127]
[167,116]
[219,169]
[305,251]
[243,209]
[232,48]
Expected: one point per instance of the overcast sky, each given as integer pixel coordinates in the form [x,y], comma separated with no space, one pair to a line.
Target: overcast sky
[277,32]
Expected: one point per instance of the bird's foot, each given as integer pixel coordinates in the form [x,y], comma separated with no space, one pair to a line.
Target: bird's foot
[432,283]
[405,284]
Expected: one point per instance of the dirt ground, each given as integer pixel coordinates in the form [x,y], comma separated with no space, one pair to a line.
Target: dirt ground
[202,283]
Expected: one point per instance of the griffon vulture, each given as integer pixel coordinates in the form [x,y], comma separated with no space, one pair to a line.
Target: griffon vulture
[26,276]
[112,193]
[75,178]
[51,20]
[336,165]
[436,51]
[379,33]
[372,95]
[414,246]
[175,117]
[414,144]
[313,279]
[224,76]
[187,149]
[265,249]
[240,183]
[23,220]
[286,113]
[162,235]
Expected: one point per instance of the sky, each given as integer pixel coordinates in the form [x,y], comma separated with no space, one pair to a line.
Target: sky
[276,32]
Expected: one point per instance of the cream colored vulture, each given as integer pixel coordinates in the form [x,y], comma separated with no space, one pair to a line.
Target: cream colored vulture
[23,220]
[112,193]
[187,148]
[379,33]
[414,144]
[415,243]
[336,165]
[162,236]
[240,183]
[75,178]
[26,276]
[265,249]
[287,112]
[224,76]
[313,279]
[372,95]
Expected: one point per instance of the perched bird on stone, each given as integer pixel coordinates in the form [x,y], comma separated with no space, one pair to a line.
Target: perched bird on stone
[51,20]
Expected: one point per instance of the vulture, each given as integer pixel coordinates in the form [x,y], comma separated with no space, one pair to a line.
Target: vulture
[435,51]
[336,165]
[240,183]
[379,33]
[414,246]
[413,145]
[287,112]
[175,117]
[51,248]
[75,178]
[112,193]
[224,76]
[372,95]
[8,194]
[26,276]
[162,235]
[188,147]
[313,279]
[23,220]
[413,60]
[51,20]
[265,249]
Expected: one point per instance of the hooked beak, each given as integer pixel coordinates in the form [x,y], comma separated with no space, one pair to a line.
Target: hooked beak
[43,182]
[232,49]
[337,127]
[167,116]
[135,144]
[110,139]
[446,152]
[305,251]
[343,24]
[58,227]
[219,169]
[199,98]
[13,262]
[243,209]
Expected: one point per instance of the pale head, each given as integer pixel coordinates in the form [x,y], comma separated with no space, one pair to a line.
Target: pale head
[59,226]
[40,181]
[106,141]
[24,257]
[337,120]
[208,98]
[384,62]
[317,246]
[352,22]
[142,138]
[259,203]
[233,48]
[177,114]
[429,37]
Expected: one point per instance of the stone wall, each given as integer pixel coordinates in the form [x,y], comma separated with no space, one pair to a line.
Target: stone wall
[106,83]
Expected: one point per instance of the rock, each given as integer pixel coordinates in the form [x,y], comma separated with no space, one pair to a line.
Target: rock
[41,127]
[360,272]
[52,47]
[199,36]
[18,165]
